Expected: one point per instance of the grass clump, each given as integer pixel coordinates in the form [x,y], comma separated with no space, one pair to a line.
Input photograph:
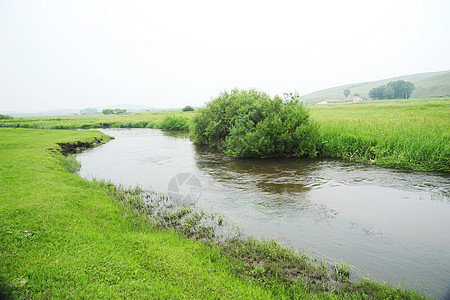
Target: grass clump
[71,163]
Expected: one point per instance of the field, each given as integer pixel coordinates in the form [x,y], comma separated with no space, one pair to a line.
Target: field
[405,134]
[64,237]
[160,120]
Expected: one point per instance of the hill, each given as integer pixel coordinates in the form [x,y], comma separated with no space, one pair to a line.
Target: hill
[428,85]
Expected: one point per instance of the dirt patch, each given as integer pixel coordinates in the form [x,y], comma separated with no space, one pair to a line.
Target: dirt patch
[71,148]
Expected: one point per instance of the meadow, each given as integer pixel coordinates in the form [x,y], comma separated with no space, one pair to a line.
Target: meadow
[169,119]
[403,134]
[65,237]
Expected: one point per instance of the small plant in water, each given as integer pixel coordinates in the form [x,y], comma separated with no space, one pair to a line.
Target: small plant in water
[71,163]
[342,271]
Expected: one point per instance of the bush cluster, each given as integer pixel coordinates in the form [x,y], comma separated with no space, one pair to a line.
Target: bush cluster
[173,123]
[249,123]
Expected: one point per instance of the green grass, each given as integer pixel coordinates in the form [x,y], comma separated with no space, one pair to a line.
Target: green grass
[407,134]
[64,237]
[171,120]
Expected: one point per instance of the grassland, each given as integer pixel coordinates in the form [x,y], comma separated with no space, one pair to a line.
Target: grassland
[407,134]
[64,237]
[427,85]
[162,120]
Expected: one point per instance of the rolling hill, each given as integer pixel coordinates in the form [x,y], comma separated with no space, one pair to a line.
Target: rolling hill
[428,85]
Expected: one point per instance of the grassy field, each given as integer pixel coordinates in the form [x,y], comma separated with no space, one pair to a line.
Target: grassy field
[404,134]
[162,120]
[64,237]
[407,134]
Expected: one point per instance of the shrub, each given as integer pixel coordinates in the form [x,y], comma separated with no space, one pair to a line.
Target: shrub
[9,117]
[188,108]
[251,124]
[174,123]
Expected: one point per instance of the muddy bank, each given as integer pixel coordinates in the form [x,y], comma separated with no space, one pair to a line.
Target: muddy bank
[75,147]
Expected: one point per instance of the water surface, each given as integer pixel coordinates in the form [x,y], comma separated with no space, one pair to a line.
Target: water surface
[392,224]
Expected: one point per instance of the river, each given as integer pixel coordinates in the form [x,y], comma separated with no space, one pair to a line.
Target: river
[392,225]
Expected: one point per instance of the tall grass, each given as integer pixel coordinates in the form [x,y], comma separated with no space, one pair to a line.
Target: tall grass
[411,134]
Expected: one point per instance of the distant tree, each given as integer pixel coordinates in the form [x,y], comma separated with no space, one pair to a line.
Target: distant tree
[107,112]
[116,111]
[5,117]
[346,93]
[402,89]
[356,94]
[119,111]
[399,89]
[188,108]
[88,111]
[382,92]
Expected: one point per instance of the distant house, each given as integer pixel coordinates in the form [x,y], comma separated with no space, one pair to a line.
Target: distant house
[321,101]
[353,99]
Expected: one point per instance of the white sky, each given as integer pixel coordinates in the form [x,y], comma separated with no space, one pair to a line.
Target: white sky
[78,54]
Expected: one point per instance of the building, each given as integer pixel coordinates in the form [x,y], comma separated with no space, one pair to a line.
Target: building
[353,99]
[321,101]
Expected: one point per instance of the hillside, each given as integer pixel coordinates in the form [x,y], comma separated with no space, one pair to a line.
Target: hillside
[428,85]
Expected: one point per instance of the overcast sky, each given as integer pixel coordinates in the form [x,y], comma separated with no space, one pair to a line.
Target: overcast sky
[78,54]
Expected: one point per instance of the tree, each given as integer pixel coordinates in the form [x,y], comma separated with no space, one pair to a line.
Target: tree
[5,117]
[107,111]
[248,123]
[88,111]
[188,108]
[346,93]
[399,89]
[116,111]
[402,89]
[356,94]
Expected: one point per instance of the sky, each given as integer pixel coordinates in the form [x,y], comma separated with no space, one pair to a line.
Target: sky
[168,54]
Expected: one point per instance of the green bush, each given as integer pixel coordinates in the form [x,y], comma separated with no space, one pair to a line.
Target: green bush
[251,124]
[188,108]
[174,123]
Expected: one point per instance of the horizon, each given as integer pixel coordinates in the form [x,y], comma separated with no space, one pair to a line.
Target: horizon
[169,55]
